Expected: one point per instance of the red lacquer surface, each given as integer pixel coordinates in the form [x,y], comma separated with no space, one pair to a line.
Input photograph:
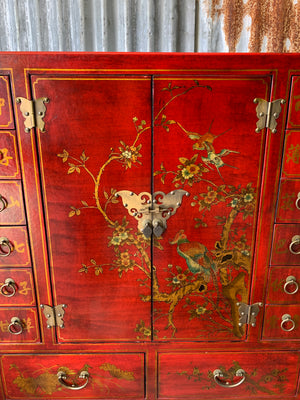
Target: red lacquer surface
[96,144]
[19,293]
[19,245]
[6,112]
[111,376]
[291,160]
[142,317]
[283,238]
[289,201]
[9,164]
[11,204]
[29,325]
[190,375]
[205,143]
[294,112]
[282,290]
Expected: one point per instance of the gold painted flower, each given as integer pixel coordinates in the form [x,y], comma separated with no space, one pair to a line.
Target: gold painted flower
[129,154]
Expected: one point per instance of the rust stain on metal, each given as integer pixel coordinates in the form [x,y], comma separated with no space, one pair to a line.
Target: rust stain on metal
[274,23]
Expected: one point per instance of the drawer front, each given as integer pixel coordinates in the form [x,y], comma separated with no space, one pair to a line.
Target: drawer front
[291,160]
[191,376]
[6,111]
[289,201]
[282,322]
[16,287]
[9,162]
[283,286]
[11,203]
[19,325]
[14,249]
[294,109]
[286,245]
[111,376]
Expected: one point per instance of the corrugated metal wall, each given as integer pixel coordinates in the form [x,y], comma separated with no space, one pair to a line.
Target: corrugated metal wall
[150,25]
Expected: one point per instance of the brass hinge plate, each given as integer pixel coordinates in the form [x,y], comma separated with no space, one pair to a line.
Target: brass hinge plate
[267,112]
[248,313]
[33,111]
[54,315]
[152,211]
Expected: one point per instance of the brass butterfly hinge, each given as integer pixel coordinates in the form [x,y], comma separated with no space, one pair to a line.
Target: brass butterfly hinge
[33,111]
[54,315]
[267,112]
[152,211]
[248,313]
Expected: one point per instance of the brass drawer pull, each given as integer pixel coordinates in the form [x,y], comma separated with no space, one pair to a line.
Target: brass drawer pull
[5,247]
[62,377]
[8,289]
[15,327]
[3,203]
[287,319]
[291,282]
[294,245]
[297,203]
[218,374]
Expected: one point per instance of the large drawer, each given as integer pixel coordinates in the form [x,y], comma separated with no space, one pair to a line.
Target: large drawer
[14,247]
[6,112]
[111,376]
[11,203]
[191,375]
[9,162]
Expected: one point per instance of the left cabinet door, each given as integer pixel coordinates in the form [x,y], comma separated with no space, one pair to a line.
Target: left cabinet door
[97,141]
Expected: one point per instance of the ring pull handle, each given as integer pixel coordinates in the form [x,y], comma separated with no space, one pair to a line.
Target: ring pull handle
[8,289]
[287,324]
[217,374]
[294,245]
[297,203]
[291,283]
[15,327]
[62,379]
[5,247]
[3,203]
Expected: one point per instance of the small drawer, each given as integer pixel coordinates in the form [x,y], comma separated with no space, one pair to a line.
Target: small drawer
[283,286]
[11,203]
[281,322]
[16,287]
[19,325]
[9,161]
[286,245]
[14,247]
[291,158]
[6,111]
[105,376]
[294,108]
[245,375]
[289,201]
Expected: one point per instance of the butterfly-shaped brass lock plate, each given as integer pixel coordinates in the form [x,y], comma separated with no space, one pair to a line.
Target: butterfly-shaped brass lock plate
[152,210]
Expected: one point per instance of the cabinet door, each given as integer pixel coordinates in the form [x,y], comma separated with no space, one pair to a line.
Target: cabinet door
[205,143]
[97,142]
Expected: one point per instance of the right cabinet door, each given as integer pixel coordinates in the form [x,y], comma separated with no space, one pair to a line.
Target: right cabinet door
[205,142]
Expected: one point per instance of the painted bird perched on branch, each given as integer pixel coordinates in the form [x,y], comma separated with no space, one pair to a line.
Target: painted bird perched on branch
[195,255]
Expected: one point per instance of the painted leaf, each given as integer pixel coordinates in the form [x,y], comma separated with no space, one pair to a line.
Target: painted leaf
[117,372]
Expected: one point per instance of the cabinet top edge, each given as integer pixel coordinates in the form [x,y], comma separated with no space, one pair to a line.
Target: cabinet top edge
[149,61]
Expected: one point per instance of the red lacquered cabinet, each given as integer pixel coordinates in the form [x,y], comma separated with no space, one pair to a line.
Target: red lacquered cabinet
[149,226]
